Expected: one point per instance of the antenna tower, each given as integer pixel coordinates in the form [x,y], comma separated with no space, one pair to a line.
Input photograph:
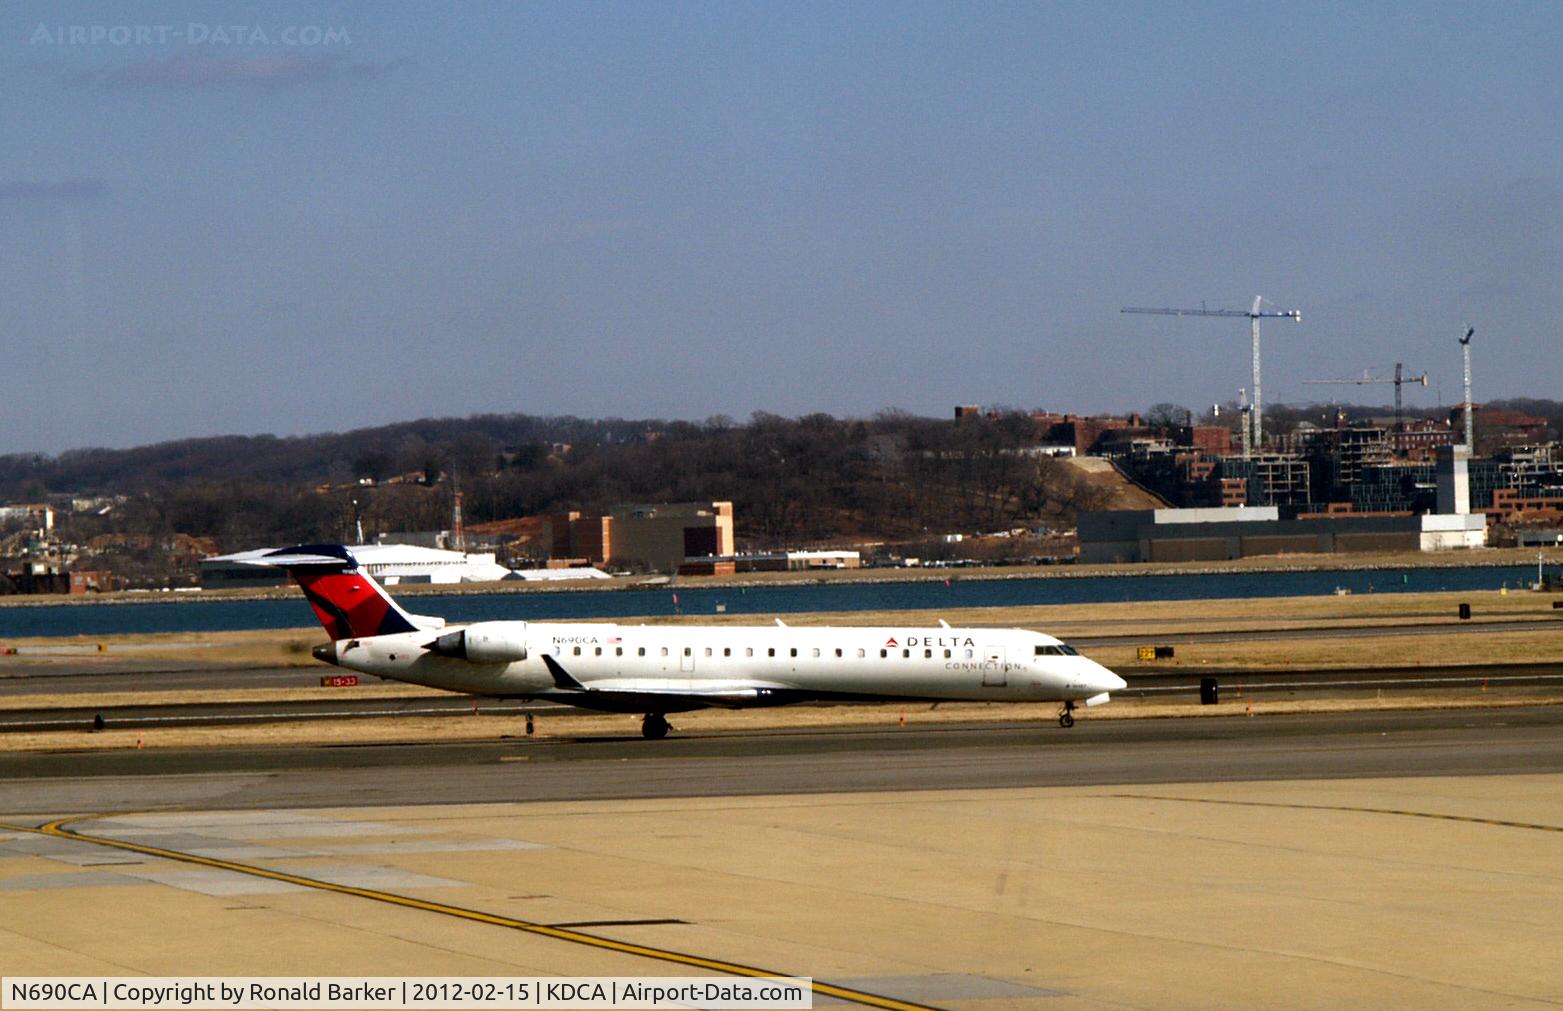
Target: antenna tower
[1470,421]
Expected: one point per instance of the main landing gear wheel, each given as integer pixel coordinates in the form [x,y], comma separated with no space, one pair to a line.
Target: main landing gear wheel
[654,727]
[1066,715]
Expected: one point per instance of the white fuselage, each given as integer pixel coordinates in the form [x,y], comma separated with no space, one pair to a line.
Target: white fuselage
[736,666]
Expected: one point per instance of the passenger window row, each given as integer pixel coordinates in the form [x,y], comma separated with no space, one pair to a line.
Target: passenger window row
[883,653]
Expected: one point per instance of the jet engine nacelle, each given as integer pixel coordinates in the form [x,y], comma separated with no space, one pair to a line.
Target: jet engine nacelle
[485,642]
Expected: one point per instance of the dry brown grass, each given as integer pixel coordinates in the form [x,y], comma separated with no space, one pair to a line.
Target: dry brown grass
[1458,647]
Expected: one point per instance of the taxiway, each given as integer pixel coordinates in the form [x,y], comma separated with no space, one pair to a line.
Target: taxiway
[1389,860]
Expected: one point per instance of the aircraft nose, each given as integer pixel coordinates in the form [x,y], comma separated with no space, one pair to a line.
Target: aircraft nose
[1105,680]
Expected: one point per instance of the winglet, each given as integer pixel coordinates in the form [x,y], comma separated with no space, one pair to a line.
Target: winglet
[562,678]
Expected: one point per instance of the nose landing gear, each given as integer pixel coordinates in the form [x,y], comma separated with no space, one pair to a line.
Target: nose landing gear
[1066,715]
[654,726]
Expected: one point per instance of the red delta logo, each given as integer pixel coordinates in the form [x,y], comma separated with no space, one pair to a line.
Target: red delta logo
[891,641]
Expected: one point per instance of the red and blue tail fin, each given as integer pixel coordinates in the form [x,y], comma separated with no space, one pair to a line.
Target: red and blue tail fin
[349,603]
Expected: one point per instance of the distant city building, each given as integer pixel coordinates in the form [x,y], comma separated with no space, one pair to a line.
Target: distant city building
[85,581]
[35,517]
[1498,429]
[521,541]
[1406,487]
[1420,439]
[1214,534]
[771,561]
[1342,454]
[580,535]
[1198,535]
[1371,467]
[659,536]
[1454,480]
[1269,478]
[561,573]
[1211,439]
[1082,432]
[441,539]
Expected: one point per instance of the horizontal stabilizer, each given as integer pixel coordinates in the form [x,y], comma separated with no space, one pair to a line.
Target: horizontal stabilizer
[295,557]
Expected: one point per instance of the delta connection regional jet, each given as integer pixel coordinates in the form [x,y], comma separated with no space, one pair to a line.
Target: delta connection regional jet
[677,668]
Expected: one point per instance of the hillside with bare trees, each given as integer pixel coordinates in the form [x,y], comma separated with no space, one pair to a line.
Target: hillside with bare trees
[809,480]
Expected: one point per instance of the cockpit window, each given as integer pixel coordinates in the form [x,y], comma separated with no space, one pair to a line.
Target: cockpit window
[1068,650]
[1053,650]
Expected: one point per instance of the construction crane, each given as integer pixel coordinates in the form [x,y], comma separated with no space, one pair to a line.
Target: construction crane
[1254,315]
[1366,379]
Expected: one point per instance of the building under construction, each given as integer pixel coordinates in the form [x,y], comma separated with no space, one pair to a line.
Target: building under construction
[1218,534]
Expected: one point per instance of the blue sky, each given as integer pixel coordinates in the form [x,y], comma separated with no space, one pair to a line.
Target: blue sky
[682,210]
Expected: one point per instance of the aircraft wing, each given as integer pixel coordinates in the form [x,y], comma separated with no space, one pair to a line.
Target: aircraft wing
[670,699]
[666,694]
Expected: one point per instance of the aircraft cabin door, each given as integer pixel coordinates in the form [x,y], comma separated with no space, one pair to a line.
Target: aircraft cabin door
[994,667]
[686,659]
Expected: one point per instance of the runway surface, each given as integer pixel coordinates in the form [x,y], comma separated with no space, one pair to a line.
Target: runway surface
[1346,745]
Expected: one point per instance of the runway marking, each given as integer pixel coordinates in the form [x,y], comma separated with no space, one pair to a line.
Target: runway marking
[59,829]
[1532,826]
[623,923]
